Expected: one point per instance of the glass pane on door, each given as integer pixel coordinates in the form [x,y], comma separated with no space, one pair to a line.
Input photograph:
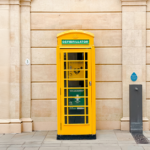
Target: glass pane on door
[76,109]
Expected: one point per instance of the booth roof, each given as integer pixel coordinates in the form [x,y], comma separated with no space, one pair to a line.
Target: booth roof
[75,31]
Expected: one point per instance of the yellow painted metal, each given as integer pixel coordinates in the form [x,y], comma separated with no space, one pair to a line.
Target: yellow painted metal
[73,70]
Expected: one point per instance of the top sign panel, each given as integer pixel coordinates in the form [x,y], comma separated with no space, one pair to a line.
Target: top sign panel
[75,41]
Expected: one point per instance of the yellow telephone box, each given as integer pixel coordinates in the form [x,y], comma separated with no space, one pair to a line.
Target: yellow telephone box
[76,110]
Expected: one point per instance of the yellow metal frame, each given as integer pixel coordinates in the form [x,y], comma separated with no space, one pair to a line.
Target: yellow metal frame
[85,128]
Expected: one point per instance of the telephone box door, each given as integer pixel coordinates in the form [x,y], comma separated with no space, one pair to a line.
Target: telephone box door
[76,84]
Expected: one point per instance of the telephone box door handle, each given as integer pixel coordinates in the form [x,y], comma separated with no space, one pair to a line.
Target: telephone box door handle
[90,83]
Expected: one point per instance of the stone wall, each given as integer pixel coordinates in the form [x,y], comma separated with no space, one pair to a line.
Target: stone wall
[29,29]
[103,18]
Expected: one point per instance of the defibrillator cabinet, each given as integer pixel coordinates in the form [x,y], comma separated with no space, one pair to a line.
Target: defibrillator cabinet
[76,110]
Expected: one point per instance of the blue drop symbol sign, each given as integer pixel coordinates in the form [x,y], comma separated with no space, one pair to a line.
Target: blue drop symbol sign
[134,77]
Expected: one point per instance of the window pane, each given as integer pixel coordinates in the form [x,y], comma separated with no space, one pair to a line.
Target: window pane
[86,65]
[75,56]
[65,92]
[74,74]
[86,74]
[86,101]
[76,83]
[87,119]
[86,56]
[87,111]
[76,110]
[65,110]
[64,56]
[65,101]
[65,83]
[76,119]
[65,65]
[65,119]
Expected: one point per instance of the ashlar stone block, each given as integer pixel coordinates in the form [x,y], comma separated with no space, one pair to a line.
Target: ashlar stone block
[43,55]
[44,91]
[148,56]
[44,73]
[108,110]
[108,56]
[76,5]
[107,90]
[108,73]
[44,108]
[75,21]
[47,39]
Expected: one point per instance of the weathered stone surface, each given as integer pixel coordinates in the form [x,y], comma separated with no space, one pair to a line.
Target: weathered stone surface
[75,21]
[76,5]
[47,39]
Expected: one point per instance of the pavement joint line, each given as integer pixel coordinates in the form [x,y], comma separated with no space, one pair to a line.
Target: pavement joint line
[45,137]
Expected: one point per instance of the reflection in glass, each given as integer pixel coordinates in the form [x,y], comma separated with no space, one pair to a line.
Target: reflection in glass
[87,119]
[64,56]
[65,110]
[75,56]
[75,83]
[65,100]
[87,110]
[65,92]
[74,74]
[65,83]
[86,74]
[86,101]
[76,119]
[65,119]
[86,83]
[64,74]
[86,65]
[65,65]
[76,110]
[86,56]
[86,92]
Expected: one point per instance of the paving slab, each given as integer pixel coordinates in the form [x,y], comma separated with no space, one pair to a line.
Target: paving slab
[69,145]
[80,148]
[106,135]
[54,148]
[127,142]
[50,137]
[4,146]
[52,132]
[73,141]
[23,136]
[33,143]
[147,134]
[15,148]
[33,148]
[39,136]
[146,147]
[106,147]
[46,140]
[52,141]
[132,148]
[11,142]
[6,137]
[51,145]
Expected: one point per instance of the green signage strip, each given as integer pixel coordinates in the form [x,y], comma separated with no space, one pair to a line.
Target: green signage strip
[76,101]
[75,41]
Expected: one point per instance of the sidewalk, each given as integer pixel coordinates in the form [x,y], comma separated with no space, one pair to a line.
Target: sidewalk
[106,140]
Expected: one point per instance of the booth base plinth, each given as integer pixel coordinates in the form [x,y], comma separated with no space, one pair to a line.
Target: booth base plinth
[76,137]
